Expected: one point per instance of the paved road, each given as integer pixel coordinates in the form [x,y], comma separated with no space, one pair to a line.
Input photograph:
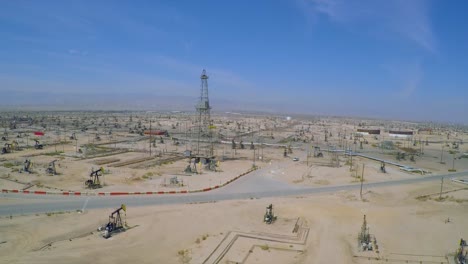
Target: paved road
[251,186]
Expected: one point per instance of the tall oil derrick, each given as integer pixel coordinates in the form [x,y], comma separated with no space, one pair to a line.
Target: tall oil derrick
[203,109]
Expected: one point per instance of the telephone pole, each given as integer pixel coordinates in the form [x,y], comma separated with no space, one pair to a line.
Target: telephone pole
[441,186]
[254,157]
[362,179]
[150,132]
[442,153]
[453,161]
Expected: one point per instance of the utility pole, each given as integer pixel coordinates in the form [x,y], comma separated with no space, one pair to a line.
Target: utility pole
[150,132]
[441,186]
[420,147]
[381,143]
[362,179]
[263,158]
[442,153]
[64,140]
[453,161]
[254,157]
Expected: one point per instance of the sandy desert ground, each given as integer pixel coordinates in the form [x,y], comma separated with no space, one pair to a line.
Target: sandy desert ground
[410,222]
[405,227]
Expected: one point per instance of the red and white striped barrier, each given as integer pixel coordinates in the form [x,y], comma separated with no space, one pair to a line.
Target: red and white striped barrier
[73,193]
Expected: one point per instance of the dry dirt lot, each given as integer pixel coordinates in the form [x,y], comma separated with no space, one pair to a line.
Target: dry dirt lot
[188,233]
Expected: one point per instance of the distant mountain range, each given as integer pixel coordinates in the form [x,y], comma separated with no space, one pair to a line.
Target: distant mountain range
[55,101]
[17,100]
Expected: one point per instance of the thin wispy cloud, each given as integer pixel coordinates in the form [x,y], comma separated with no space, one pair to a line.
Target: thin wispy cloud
[223,79]
[407,19]
[407,77]
[412,80]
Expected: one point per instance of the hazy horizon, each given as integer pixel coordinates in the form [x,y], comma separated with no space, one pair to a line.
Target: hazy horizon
[186,104]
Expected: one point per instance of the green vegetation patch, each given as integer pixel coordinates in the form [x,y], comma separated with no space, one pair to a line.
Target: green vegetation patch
[8,164]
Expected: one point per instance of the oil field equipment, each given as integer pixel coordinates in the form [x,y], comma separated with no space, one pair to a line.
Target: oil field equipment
[269,216]
[382,167]
[317,152]
[38,145]
[27,166]
[190,168]
[51,168]
[461,255]
[174,181]
[94,182]
[6,149]
[364,237]
[115,224]
[211,165]
[73,136]
[14,145]
[401,156]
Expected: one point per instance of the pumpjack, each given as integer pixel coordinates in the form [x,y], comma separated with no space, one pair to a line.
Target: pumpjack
[27,166]
[462,253]
[211,165]
[6,149]
[401,156]
[94,182]
[51,168]
[382,167]
[115,224]
[14,145]
[73,136]
[38,145]
[317,152]
[190,168]
[269,217]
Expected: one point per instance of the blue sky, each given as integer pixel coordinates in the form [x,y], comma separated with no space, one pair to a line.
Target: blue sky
[403,59]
